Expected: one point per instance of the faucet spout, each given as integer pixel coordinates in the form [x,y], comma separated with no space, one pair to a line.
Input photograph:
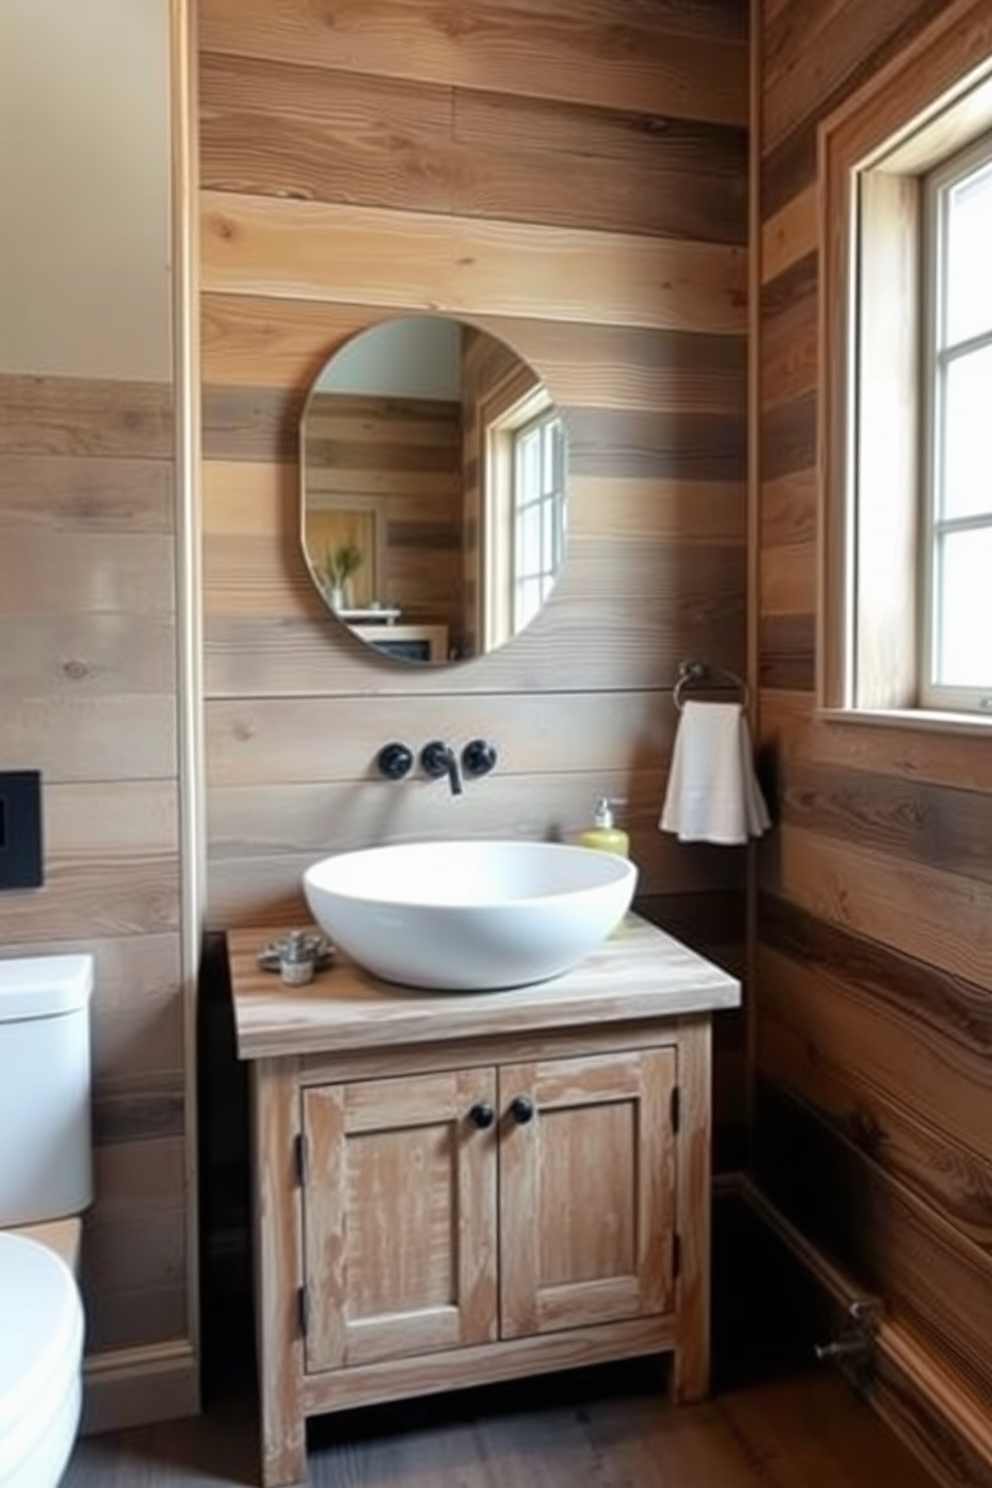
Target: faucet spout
[454,772]
[440,759]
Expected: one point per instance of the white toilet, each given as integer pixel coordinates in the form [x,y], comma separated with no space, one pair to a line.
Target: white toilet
[45,1183]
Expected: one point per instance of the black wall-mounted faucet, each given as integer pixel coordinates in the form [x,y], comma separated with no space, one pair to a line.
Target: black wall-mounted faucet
[395,761]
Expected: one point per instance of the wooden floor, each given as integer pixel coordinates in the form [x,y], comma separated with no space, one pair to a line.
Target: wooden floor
[607,1429]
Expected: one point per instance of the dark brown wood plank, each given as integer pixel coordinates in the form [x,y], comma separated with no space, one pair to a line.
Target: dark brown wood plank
[680,60]
[788,436]
[787,652]
[77,416]
[636,445]
[273,128]
[917,821]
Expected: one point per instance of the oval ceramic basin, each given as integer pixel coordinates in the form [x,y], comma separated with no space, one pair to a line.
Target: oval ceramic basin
[469,916]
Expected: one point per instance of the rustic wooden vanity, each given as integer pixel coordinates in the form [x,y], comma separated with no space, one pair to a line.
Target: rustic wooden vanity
[457,1189]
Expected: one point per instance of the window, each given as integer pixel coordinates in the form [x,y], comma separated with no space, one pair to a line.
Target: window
[956,521]
[538,513]
[906,385]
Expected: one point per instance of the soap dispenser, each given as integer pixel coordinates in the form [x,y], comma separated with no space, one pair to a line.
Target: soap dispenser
[603,834]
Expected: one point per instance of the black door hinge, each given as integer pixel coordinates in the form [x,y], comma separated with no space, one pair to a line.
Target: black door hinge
[676,1107]
[302,1158]
[303,1306]
[676,1256]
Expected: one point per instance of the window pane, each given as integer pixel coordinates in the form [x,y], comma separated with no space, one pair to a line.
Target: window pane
[964,624]
[967,436]
[969,253]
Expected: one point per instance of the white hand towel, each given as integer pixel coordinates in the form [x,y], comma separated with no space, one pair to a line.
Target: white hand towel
[712,794]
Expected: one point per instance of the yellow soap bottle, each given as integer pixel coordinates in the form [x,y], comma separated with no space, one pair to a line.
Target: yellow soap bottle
[603,834]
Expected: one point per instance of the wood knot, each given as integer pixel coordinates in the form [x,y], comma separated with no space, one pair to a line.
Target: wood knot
[75,670]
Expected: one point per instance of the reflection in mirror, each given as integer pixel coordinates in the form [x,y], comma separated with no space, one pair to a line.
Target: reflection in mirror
[433,467]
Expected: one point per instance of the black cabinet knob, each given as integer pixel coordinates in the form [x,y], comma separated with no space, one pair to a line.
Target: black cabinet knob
[522,1109]
[395,760]
[478,757]
[482,1115]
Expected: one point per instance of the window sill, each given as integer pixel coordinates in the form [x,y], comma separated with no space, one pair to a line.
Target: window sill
[911,718]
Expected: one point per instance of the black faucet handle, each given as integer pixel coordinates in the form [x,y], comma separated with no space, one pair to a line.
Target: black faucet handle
[478,757]
[395,760]
[437,759]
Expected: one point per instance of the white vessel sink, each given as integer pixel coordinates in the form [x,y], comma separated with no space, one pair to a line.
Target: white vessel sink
[469,916]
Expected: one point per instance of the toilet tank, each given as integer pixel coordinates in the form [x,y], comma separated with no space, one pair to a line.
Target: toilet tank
[45,1157]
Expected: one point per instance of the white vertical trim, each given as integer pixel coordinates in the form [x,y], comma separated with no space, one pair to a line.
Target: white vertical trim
[192,838]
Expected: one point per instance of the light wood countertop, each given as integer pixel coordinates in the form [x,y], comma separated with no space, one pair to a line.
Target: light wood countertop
[639,973]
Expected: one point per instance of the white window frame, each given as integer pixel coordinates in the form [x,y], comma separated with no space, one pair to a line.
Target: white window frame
[937,356]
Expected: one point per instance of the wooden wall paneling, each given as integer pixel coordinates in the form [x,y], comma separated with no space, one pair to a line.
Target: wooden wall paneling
[849,1047]
[787,652]
[262,838]
[934,1281]
[585,206]
[258,341]
[72,416]
[946,757]
[915,821]
[813,56]
[87,614]
[789,235]
[268,129]
[692,67]
[84,494]
[789,333]
[936,917]
[254,741]
[873,994]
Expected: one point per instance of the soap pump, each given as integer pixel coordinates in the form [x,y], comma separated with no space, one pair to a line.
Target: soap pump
[603,834]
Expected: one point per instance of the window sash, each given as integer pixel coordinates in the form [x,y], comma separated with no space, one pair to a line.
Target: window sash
[940,354]
[538,499]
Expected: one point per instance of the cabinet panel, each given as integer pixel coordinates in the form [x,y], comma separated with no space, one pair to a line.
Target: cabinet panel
[399,1218]
[587,1191]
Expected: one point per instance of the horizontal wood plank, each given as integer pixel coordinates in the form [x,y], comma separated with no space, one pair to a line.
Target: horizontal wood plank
[938,918]
[275,129]
[659,62]
[73,416]
[293,249]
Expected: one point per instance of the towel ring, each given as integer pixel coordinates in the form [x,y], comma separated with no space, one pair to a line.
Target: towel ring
[692,671]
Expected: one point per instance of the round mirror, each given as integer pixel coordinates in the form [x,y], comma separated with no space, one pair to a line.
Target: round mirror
[433,468]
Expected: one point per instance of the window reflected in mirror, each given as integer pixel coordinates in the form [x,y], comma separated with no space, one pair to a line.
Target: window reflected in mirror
[434,476]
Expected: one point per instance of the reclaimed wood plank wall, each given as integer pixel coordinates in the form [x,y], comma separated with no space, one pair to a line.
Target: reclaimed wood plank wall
[575,183]
[87,607]
[873,1031]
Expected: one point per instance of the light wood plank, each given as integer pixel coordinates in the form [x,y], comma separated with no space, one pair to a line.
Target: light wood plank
[789,235]
[937,917]
[404,259]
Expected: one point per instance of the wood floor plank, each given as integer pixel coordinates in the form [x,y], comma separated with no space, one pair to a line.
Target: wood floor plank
[604,1429]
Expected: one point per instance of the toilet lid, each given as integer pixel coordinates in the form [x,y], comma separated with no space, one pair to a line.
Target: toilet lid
[41,1326]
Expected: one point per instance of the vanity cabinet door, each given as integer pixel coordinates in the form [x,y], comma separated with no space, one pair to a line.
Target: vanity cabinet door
[587,1190]
[399,1217]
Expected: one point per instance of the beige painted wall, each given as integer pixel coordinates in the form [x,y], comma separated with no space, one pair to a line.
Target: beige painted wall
[84,241]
